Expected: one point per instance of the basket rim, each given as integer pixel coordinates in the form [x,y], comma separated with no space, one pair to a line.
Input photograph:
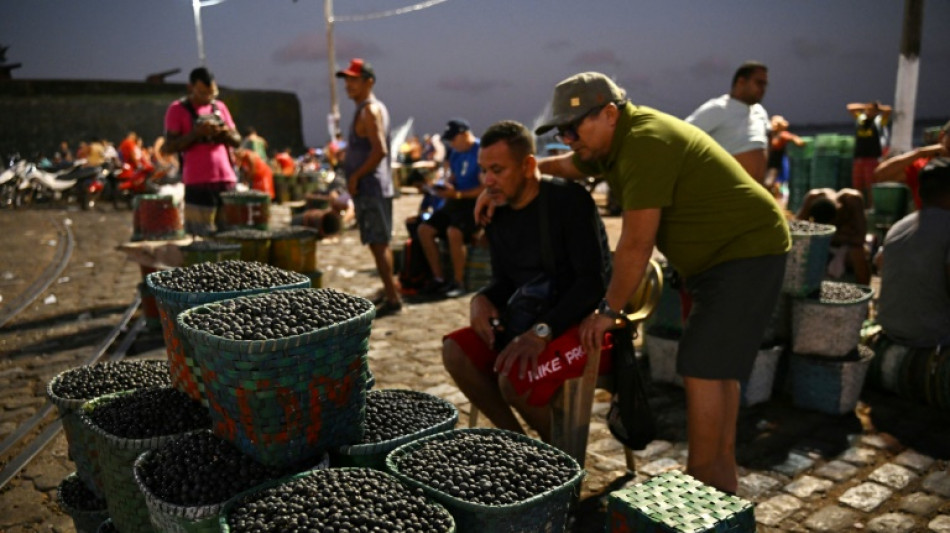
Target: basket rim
[197,336]
[69,508]
[867,294]
[443,497]
[818,230]
[126,443]
[370,448]
[75,404]
[226,510]
[172,295]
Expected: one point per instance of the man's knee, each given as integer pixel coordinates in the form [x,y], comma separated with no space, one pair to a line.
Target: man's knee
[427,231]
[455,236]
[454,359]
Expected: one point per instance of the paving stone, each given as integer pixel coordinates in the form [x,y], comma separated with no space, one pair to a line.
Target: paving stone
[837,470]
[920,503]
[28,400]
[859,456]
[866,496]
[772,511]
[891,523]
[756,485]
[914,460]
[940,524]
[794,464]
[653,449]
[659,466]
[805,486]
[938,483]
[877,441]
[832,518]
[894,476]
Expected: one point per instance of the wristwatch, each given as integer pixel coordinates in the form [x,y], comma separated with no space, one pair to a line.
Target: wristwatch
[542,330]
[604,309]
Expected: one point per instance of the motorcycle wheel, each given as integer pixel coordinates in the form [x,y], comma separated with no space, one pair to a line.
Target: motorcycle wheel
[7,195]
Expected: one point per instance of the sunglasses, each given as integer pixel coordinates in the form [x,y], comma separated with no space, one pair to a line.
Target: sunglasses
[568,132]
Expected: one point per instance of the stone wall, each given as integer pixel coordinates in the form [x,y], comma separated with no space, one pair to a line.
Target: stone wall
[36,115]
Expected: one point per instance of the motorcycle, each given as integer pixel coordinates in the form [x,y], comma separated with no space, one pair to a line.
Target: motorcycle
[77,181]
[10,182]
[130,181]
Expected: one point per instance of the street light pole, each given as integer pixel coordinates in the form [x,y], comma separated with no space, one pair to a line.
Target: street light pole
[334,119]
[196,7]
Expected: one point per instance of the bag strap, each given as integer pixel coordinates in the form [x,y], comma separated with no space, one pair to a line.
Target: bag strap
[547,251]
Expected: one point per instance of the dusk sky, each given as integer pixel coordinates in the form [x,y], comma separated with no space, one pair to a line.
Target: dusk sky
[487,60]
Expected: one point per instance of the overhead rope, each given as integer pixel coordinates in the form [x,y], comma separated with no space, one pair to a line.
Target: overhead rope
[384,14]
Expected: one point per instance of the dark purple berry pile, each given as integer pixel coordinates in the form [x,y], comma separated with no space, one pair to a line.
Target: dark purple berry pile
[224,276]
[337,500]
[147,413]
[88,382]
[391,414]
[487,468]
[278,314]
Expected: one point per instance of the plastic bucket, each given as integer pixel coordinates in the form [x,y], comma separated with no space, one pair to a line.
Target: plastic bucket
[245,209]
[294,249]
[807,260]
[157,218]
[209,251]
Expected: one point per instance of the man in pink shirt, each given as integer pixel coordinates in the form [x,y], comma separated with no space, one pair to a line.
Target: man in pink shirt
[201,129]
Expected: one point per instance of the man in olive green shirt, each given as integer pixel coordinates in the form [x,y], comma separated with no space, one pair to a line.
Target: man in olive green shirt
[682,193]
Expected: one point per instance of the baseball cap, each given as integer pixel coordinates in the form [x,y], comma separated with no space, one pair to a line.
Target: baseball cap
[455,126]
[576,96]
[357,69]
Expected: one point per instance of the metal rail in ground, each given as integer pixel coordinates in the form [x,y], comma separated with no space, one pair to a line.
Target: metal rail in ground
[49,432]
[64,250]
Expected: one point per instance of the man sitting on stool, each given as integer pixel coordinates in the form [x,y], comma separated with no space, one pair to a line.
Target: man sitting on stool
[455,221]
[497,362]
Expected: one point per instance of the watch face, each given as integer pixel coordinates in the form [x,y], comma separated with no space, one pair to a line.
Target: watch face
[542,330]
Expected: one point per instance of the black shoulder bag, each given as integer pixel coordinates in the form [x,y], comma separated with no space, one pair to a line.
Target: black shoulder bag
[630,418]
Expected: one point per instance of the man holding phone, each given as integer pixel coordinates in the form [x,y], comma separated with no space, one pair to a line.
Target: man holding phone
[200,128]
[455,221]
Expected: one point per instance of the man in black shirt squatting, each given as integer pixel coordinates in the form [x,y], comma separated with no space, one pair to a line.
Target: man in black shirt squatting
[495,365]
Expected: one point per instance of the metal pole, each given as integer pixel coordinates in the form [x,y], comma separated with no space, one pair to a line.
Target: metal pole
[908,66]
[331,63]
[196,6]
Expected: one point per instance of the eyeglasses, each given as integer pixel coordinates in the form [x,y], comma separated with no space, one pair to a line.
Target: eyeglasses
[568,133]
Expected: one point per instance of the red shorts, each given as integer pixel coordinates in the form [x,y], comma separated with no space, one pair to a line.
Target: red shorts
[562,359]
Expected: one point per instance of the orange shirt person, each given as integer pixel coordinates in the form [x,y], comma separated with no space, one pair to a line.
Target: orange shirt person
[257,171]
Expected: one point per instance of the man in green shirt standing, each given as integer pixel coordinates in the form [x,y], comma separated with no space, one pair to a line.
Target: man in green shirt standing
[684,194]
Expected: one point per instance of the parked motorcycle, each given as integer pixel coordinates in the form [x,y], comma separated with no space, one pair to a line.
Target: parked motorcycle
[76,182]
[10,182]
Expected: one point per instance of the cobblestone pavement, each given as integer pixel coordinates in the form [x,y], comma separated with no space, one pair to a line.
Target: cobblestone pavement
[883,468]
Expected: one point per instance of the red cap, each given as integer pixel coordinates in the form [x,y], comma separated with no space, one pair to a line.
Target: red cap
[357,69]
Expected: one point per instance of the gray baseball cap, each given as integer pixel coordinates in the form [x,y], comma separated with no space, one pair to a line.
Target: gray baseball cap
[577,95]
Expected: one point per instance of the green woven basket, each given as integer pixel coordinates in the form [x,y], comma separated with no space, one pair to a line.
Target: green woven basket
[284,401]
[172,518]
[255,244]
[117,456]
[209,251]
[186,376]
[545,512]
[81,442]
[85,520]
[829,385]
[250,494]
[373,455]
[676,502]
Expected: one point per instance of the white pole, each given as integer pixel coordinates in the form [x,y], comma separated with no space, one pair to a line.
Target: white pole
[331,63]
[908,66]
[196,6]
